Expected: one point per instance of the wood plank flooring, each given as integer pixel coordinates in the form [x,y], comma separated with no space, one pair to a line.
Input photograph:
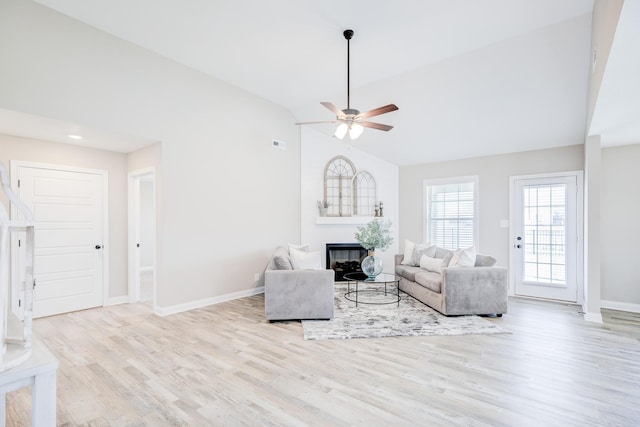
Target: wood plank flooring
[225,365]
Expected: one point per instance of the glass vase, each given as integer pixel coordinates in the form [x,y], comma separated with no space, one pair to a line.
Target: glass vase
[371,265]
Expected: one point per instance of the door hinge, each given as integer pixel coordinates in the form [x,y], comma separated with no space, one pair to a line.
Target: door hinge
[19,243]
[18,183]
[19,303]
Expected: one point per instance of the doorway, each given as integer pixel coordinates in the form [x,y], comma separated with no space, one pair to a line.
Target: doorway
[71,231]
[546,212]
[142,235]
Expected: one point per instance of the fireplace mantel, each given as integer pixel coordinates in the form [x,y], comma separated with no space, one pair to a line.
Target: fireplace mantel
[344,220]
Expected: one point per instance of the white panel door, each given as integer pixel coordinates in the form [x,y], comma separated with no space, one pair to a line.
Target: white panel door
[546,237]
[68,211]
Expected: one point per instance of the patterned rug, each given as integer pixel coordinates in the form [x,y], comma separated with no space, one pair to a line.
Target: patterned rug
[411,318]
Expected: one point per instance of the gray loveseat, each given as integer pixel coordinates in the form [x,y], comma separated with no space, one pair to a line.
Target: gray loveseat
[296,294]
[481,289]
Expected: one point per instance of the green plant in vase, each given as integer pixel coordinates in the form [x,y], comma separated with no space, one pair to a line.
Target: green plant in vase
[375,235]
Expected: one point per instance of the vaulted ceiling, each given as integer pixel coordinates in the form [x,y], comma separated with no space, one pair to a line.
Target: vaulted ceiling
[471,78]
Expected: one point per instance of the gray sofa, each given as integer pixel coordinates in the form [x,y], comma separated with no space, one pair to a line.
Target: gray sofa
[481,289]
[296,294]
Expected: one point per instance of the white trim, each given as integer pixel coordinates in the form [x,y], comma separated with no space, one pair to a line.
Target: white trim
[192,305]
[579,228]
[106,244]
[345,220]
[133,194]
[593,317]
[476,204]
[620,306]
[16,164]
[118,300]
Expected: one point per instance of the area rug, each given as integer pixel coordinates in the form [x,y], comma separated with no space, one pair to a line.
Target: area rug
[410,318]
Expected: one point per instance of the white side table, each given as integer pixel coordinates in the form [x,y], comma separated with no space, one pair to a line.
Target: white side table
[39,372]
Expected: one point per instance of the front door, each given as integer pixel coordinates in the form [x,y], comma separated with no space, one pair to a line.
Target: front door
[546,236]
[68,209]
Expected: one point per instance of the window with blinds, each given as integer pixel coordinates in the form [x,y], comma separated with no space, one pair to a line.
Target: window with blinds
[451,213]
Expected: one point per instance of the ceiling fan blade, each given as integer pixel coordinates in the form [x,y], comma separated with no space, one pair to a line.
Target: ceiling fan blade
[333,109]
[314,123]
[377,111]
[378,126]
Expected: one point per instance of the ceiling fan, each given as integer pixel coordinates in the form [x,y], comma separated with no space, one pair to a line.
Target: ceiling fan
[350,119]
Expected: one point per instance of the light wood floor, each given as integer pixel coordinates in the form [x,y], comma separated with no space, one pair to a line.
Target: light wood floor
[225,365]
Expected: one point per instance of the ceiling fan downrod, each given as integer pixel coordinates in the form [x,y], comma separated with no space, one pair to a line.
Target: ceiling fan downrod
[347,35]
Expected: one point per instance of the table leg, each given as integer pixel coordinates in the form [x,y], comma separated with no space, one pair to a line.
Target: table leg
[357,293]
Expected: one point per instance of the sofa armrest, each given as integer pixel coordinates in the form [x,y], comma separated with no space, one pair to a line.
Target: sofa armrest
[398,258]
[475,290]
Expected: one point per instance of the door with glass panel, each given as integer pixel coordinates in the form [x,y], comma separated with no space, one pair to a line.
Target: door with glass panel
[546,238]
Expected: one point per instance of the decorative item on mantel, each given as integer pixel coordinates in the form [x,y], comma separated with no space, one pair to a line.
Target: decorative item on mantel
[378,209]
[376,234]
[323,206]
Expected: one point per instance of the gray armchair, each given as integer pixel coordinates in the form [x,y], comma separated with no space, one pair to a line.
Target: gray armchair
[296,294]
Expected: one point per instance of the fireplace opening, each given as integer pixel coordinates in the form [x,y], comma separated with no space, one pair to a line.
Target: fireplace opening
[344,258]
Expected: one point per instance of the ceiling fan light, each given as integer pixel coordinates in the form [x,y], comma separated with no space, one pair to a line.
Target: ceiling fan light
[341,131]
[355,131]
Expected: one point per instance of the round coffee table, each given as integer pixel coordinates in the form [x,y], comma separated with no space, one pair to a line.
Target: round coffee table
[381,279]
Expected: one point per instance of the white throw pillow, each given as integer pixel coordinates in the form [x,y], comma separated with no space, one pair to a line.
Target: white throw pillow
[431,264]
[408,252]
[305,260]
[464,258]
[304,248]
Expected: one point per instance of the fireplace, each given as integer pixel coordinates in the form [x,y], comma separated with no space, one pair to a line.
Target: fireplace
[344,258]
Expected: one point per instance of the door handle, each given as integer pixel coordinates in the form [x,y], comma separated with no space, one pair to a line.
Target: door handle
[98,247]
[517,246]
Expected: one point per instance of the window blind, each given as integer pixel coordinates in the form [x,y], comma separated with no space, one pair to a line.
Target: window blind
[450,214]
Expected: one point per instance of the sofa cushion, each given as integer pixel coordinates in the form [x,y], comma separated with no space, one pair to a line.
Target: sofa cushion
[422,249]
[306,247]
[305,260]
[485,261]
[408,271]
[430,280]
[464,258]
[408,252]
[280,259]
[443,253]
[431,264]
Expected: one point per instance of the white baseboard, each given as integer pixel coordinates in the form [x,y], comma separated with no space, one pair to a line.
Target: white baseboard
[192,305]
[118,300]
[622,306]
[593,317]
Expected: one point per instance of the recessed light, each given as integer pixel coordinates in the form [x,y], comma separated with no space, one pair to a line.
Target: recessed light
[72,136]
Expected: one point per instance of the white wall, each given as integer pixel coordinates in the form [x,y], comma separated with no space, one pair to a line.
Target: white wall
[30,150]
[620,227]
[493,173]
[226,199]
[603,29]
[317,149]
